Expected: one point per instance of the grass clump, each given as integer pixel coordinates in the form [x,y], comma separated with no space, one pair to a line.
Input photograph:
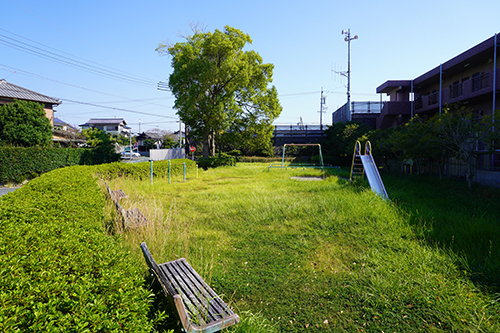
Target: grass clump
[317,256]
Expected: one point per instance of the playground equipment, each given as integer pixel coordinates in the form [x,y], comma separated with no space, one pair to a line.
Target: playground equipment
[364,164]
[321,165]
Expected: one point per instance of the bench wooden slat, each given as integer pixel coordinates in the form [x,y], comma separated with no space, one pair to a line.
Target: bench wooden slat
[199,307]
[210,306]
[213,303]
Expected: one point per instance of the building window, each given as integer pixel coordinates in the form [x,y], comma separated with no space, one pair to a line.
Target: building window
[456,89]
[480,81]
[433,98]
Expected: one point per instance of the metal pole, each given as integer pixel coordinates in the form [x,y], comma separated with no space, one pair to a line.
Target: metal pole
[440,85]
[412,98]
[349,75]
[283,159]
[321,113]
[494,91]
[180,133]
[151,172]
[169,172]
[494,78]
[184,169]
[348,40]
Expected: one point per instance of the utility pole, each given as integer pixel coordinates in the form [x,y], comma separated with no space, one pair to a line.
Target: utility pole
[348,39]
[322,102]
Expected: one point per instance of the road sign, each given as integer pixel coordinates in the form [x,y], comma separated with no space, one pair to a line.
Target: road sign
[192,149]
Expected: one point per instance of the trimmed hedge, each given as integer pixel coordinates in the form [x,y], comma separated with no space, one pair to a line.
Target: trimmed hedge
[214,162]
[18,163]
[59,271]
[143,170]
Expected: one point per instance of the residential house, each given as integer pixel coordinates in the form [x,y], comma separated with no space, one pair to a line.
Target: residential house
[115,126]
[10,92]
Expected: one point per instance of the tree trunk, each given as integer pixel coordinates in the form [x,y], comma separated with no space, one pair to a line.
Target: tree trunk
[206,143]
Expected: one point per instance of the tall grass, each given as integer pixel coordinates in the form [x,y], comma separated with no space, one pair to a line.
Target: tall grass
[310,256]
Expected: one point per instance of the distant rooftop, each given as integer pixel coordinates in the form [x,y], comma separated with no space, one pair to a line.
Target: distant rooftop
[9,90]
[105,121]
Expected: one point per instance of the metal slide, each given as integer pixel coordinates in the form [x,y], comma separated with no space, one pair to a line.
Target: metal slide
[373,176]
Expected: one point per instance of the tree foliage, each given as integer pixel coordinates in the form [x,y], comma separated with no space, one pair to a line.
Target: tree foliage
[220,87]
[23,123]
[456,133]
[103,144]
[341,138]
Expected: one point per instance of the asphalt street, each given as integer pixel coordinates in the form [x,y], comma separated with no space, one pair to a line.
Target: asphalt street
[5,190]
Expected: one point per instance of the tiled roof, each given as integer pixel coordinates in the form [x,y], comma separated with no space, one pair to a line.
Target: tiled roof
[105,121]
[10,90]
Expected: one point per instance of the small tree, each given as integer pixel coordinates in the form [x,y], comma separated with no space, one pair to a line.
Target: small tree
[341,138]
[103,144]
[23,123]
[459,130]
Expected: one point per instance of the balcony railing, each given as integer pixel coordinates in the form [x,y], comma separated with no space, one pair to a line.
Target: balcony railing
[480,81]
[456,90]
[433,98]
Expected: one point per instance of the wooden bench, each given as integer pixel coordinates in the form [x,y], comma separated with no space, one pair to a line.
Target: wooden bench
[132,218]
[115,195]
[199,308]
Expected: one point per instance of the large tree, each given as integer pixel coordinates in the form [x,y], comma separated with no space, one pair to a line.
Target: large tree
[23,123]
[220,87]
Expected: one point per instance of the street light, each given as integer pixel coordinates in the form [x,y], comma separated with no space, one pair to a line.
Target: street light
[348,39]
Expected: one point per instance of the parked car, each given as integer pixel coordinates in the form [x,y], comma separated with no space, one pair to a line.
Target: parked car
[126,154]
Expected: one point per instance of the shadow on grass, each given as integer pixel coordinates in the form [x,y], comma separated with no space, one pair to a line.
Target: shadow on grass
[448,215]
[162,310]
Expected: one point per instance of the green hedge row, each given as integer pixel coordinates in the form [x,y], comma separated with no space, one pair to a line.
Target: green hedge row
[59,271]
[259,159]
[18,163]
[142,170]
[214,162]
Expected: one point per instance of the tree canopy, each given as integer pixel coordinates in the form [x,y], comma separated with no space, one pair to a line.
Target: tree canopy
[220,88]
[23,123]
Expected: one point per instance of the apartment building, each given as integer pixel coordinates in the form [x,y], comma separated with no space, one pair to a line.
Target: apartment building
[472,78]
[469,78]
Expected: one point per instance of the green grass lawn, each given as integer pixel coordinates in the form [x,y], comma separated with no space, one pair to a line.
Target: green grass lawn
[322,256]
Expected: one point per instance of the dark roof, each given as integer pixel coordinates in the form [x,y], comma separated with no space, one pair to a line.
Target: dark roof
[10,90]
[390,85]
[475,54]
[104,121]
[59,122]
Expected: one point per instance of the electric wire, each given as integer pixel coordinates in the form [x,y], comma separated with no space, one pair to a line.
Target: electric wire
[70,34]
[56,57]
[22,72]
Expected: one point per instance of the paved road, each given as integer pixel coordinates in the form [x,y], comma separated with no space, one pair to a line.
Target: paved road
[5,190]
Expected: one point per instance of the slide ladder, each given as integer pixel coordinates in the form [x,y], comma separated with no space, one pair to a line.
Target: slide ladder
[365,164]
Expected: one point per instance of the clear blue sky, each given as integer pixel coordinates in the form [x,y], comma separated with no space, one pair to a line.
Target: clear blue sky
[397,40]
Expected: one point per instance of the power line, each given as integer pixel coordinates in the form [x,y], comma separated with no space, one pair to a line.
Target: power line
[116,109]
[72,62]
[20,71]
[70,34]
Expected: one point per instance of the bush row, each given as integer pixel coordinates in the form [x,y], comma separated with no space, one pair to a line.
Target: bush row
[18,163]
[59,271]
[259,159]
[143,170]
[214,162]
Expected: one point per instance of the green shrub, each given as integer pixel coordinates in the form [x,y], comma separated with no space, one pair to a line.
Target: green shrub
[215,162]
[59,270]
[259,159]
[18,163]
[143,170]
